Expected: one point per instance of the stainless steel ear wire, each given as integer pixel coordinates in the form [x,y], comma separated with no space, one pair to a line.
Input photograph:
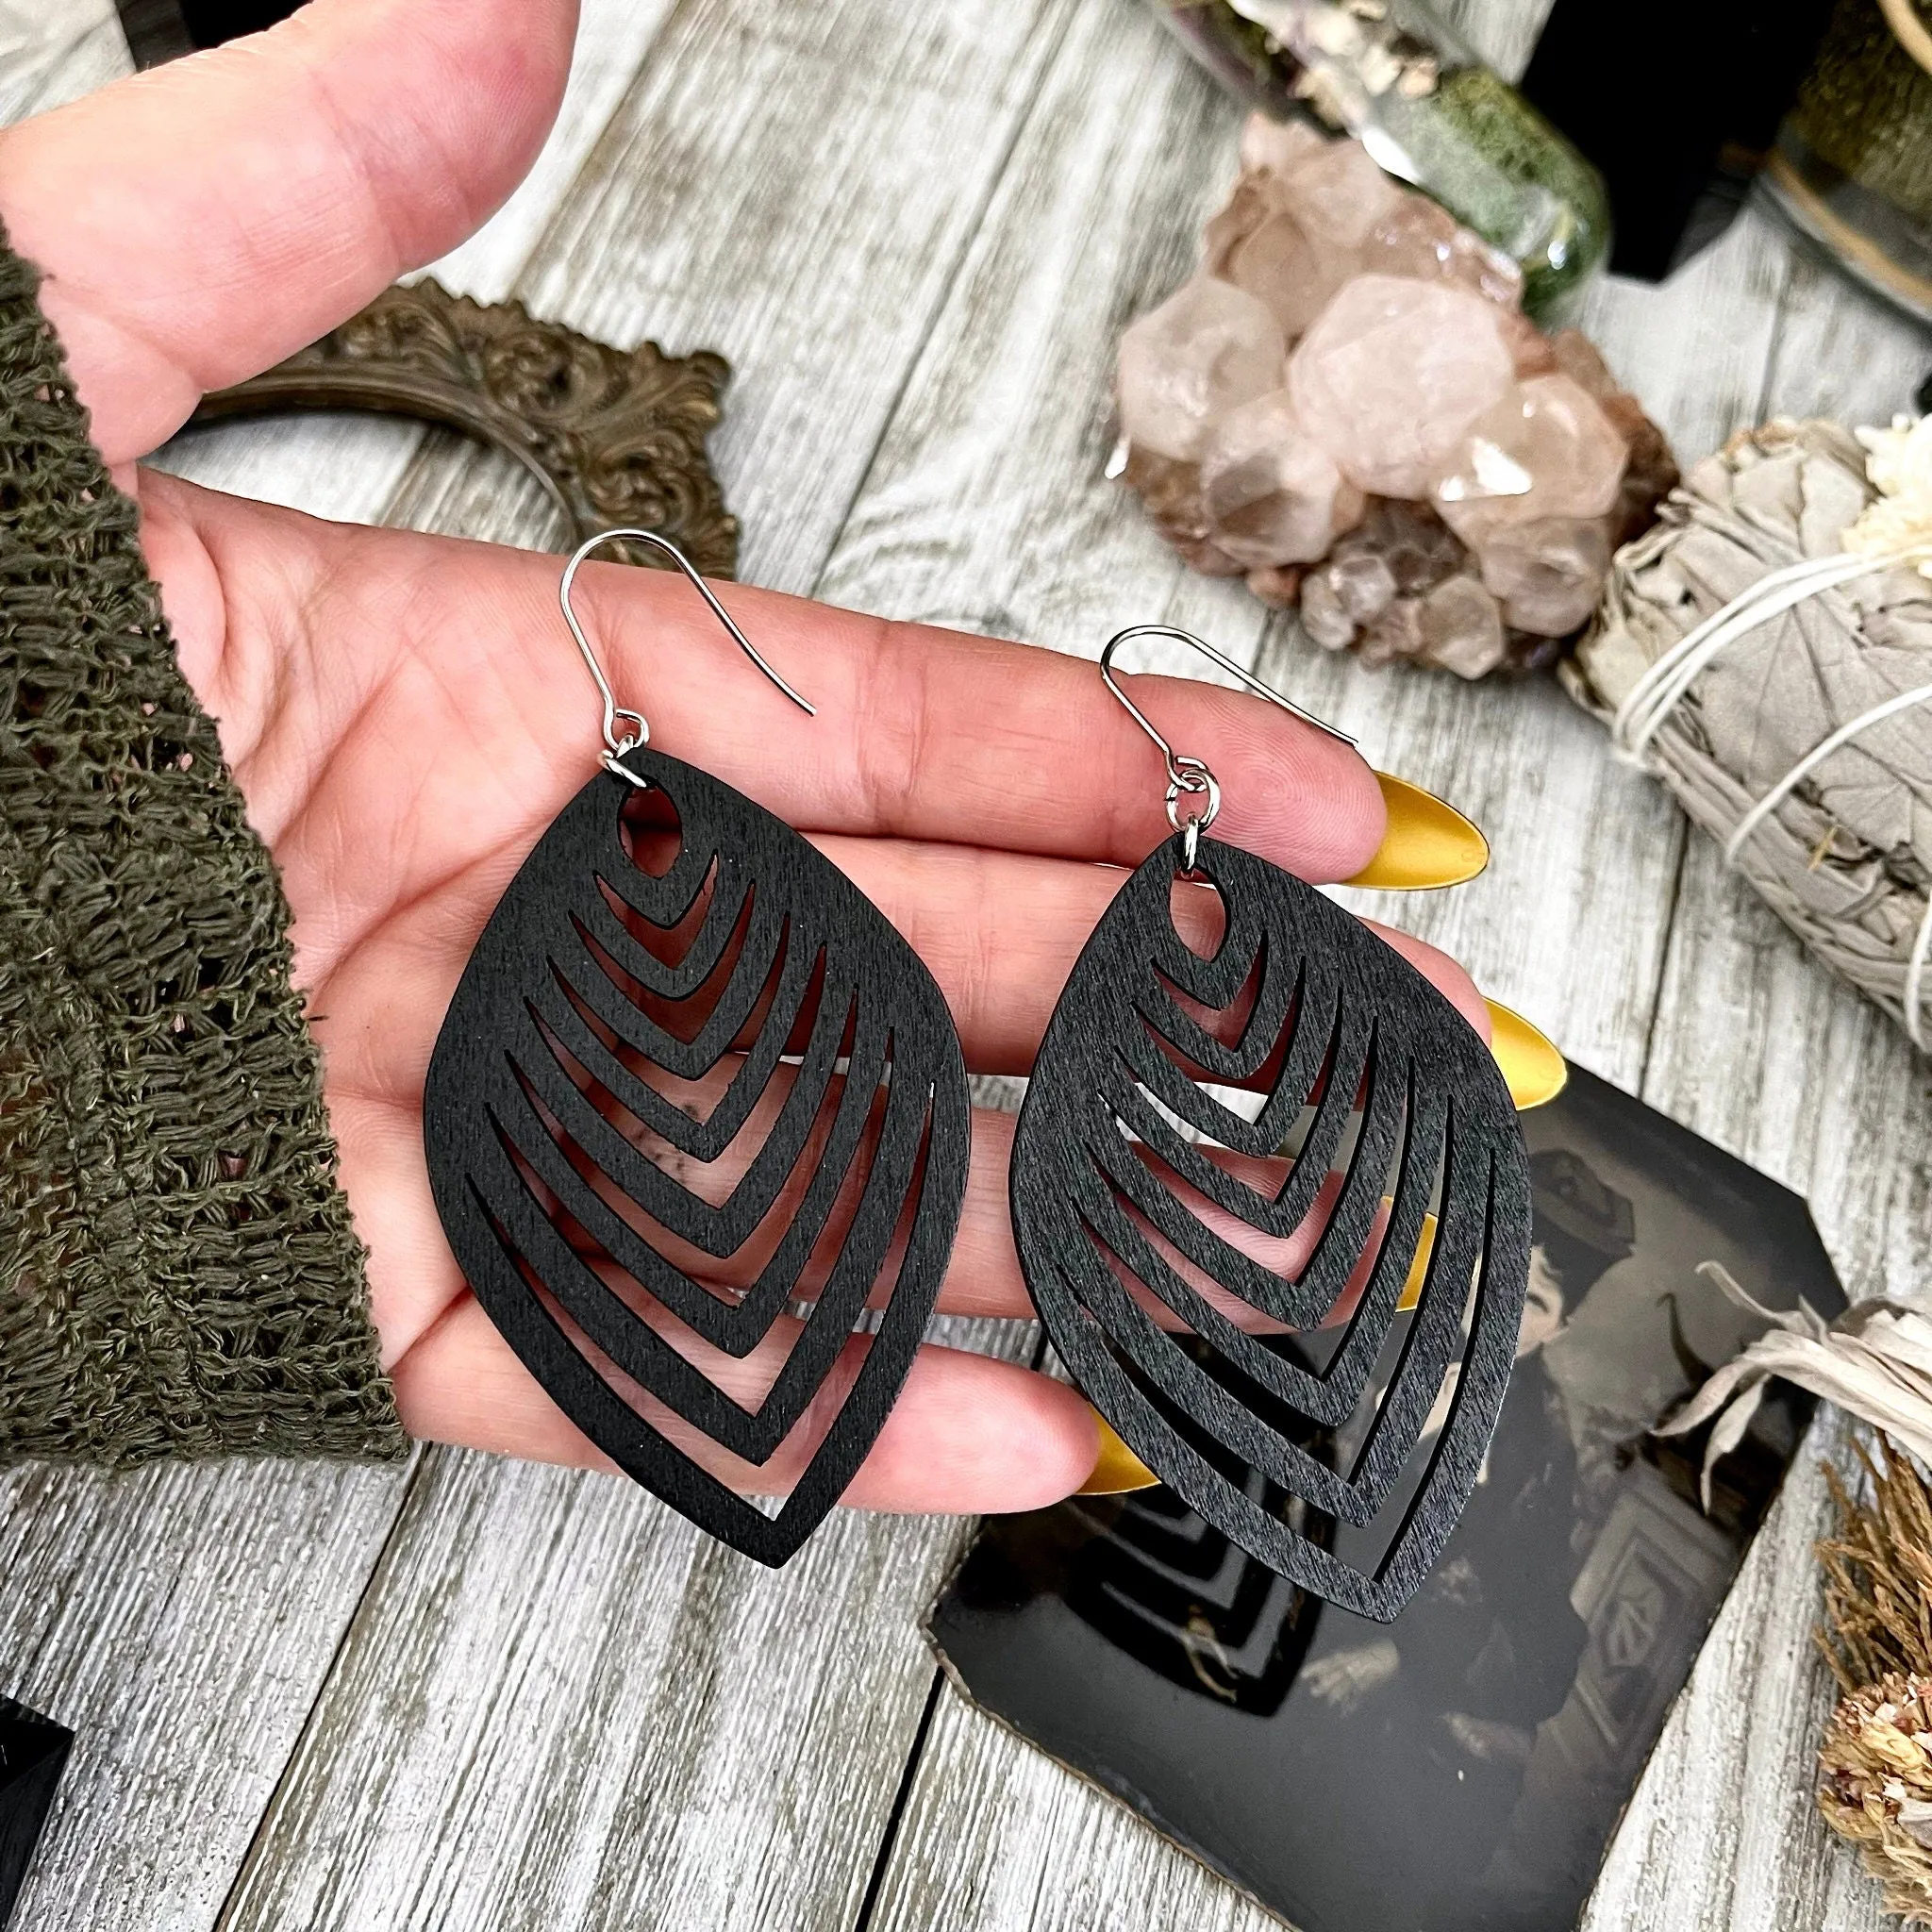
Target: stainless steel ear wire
[1186,772]
[615,743]
[751,964]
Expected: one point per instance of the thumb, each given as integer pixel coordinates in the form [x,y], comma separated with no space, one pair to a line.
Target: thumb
[200,222]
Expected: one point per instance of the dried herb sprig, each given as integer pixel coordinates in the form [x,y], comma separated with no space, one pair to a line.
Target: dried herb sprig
[1876,1758]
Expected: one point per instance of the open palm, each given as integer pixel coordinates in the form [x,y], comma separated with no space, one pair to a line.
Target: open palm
[405,714]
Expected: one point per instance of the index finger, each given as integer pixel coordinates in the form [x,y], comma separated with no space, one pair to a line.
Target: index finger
[931,734]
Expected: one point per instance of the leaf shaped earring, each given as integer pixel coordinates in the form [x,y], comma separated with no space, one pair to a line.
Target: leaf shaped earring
[689,1106]
[1129,1232]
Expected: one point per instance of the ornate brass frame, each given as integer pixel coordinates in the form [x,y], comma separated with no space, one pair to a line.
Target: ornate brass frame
[615,436]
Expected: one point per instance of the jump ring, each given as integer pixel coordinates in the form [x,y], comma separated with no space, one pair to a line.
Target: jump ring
[1189,775]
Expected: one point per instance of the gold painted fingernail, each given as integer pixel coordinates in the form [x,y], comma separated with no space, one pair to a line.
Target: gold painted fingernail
[1535,1070]
[1427,843]
[1413,1287]
[1117,1468]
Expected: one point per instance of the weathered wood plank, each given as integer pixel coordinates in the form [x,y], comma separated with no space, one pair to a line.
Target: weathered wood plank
[1840,351]
[792,185]
[985,506]
[182,1621]
[1756,1047]
[561,1707]
[63,49]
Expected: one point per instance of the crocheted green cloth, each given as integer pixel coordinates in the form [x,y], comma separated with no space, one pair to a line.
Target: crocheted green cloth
[179,1274]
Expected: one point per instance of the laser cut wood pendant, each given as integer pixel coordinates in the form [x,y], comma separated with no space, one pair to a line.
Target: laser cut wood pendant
[1108,1191]
[835,1106]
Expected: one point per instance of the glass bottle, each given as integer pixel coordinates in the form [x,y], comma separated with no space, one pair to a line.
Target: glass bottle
[1853,165]
[1410,90]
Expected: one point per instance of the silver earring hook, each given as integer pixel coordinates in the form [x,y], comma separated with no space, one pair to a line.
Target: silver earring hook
[615,743]
[1186,772]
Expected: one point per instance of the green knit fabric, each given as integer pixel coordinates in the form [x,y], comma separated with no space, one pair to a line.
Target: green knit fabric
[178,1273]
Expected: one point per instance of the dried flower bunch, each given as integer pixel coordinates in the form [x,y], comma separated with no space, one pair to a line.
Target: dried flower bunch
[1348,407]
[1875,1361]
[1876,1758]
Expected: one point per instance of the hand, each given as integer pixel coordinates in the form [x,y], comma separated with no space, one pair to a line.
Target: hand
[405,714]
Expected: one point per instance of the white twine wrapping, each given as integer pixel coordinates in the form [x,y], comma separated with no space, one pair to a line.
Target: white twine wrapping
[1663,687]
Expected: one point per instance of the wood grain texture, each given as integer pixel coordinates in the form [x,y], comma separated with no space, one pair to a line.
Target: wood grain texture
[1837,351]
[182,1621]
[563,1708]
[57,50]
[792,185]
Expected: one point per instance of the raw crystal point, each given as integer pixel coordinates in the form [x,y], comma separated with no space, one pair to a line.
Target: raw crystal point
[1277,585]
[1650,472]
[1575,354]
[1463,627]
[1396,633]
[1269,494]
[1246,208]
[1546,450]
[1339,195]
[1171,494]
[1396,555]
[1392,373]
[1323,616]
[1529,348]
[1422,239]
[1285,268]
[1419,548]
[1649,477]
[1363,584]
[1207,347]
[1546,573]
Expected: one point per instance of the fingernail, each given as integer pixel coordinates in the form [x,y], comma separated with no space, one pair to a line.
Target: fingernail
[1117,1468]
[1427,843]
[1413,1287]
[1535,1070]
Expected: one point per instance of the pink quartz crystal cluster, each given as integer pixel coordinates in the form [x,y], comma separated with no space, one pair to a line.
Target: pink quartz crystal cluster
[1347,406]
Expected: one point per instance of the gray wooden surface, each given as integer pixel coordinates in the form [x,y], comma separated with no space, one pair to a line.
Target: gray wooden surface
[468,1694]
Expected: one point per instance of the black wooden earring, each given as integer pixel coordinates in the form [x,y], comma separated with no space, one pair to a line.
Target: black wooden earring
[1115,1208]
[582,1066]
